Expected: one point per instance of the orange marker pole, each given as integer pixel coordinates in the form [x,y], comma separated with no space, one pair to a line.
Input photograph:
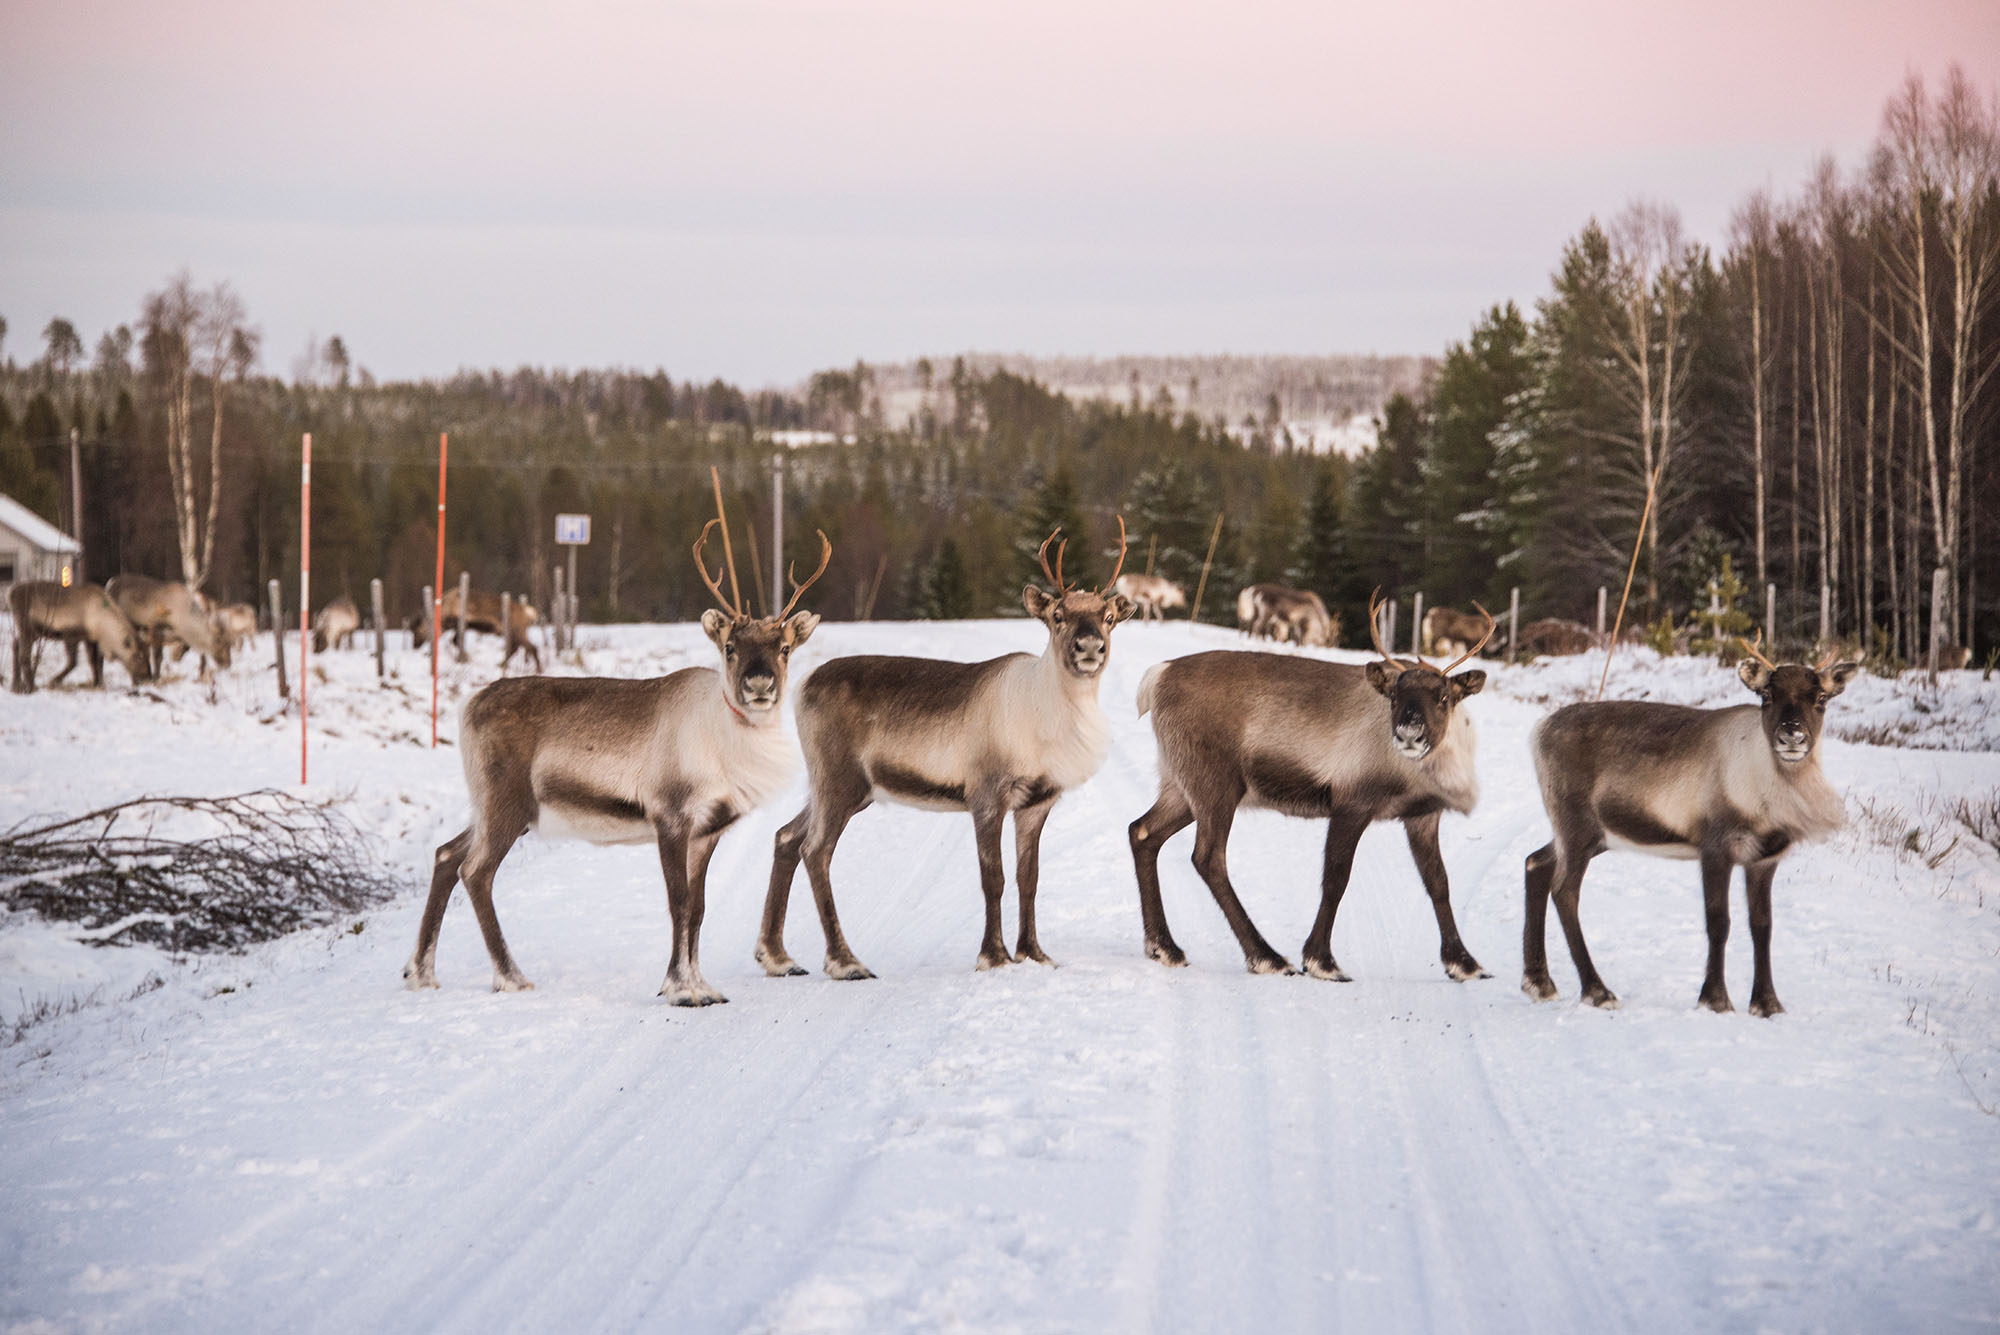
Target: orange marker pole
[305,586]
[437,598]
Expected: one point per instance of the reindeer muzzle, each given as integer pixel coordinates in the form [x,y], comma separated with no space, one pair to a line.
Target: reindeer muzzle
[1087,654]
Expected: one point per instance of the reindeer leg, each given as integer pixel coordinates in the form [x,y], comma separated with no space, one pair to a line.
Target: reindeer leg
[1211,847]
[687,929]
[1757,889]
[1423,836]
[1028,822]
[680,984]
[989,813]
[1540,876]
[829,816]
[1572,860]
[95,656]
[784,867]
[69,662]
[489,847]
[1168,817]
[421,971]
[1343,832]
[1715,869]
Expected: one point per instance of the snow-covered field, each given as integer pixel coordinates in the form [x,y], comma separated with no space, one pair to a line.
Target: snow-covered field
[288,1140]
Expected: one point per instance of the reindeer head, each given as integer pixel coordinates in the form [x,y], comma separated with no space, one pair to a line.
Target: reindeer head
[1794,697]
[757,651]
[1079,620]
[1421,697]
[124,641]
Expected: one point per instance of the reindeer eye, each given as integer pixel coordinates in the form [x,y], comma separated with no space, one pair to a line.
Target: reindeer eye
[1056,616]
[729,651]
[1823,698]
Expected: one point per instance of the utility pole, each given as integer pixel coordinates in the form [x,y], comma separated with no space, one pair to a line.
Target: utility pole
[777,529]
[76,496]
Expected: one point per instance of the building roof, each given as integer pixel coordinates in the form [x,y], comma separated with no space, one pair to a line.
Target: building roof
[33,527]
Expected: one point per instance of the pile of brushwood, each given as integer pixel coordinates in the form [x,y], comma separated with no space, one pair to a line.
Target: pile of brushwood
[194,873]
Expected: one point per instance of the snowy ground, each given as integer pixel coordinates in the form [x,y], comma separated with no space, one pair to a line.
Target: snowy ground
[287,1139]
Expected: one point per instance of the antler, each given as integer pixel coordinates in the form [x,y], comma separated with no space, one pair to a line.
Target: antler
[1828,659]
[1121,554]
[825,555]
[1491,626]
[1375,623]
[1751,648]
[1042,553]
[713,587]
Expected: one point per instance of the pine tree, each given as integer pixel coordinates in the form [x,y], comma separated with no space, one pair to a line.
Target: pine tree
[1478,380]
[947,587]
[1054,507]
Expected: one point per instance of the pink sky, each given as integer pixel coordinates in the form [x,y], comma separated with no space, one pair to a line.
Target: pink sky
[758,189]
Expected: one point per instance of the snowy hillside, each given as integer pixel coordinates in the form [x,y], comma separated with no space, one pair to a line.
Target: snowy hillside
[288,1139]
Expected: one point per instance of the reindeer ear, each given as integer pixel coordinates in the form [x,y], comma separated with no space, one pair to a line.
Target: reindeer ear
[715,622]
[1382,674]
[1755,675]
[1038,602]
[800,627]
[1468,683]
[1119,608]
[1834,680]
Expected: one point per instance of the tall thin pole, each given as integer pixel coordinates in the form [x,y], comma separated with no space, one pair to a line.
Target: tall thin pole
[305,587]
[76,496]
[777,531]
[436,608]
[1200,588]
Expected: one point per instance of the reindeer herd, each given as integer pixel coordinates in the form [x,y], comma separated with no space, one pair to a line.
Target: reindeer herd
[675,761]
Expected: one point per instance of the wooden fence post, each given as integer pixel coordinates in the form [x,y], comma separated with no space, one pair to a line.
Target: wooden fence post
[1771,616]
[1514,624]
[1417,624]
[464,598]
[381,630]
[1602,593]
[278,637]
[506,629]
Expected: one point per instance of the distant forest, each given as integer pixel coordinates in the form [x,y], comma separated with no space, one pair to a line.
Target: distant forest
[1816,405]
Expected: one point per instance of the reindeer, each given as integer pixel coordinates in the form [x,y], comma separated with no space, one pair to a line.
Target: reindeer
[1384,741]
[1011,734]
[1556,637]
[1281,613]
[1445,630]
[482,613]
[163,611]
[671,760]
[336,625]
[79,614]
[1151,594]
[1728,788]
[239,624]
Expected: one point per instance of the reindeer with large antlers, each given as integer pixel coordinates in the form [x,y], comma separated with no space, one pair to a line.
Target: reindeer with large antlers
[672,761]
[1009,735]
[1728,788]
[1385,741]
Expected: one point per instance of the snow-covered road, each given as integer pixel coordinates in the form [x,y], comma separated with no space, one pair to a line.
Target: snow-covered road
[288,1139]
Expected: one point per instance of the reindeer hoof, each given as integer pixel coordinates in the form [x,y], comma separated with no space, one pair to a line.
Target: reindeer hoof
[1765,1007]
[416,978]
[1538,989]
[1464,969]
[516,983]
[1717,1001]
[991,960]
[1271,964]
[778,964]
[1327,970]
[848,970]
[1033,955]
[1167,953]
[1602,998]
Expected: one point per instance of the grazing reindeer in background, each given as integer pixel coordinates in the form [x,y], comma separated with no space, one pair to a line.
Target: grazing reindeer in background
[335,625]
[80,614]
[1151,594]
[1282,613]
[1730,788]
[1309,738]
[1447,630]
[238,622]
[671,760]
[161,611]
[1007,735]
[482,613]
